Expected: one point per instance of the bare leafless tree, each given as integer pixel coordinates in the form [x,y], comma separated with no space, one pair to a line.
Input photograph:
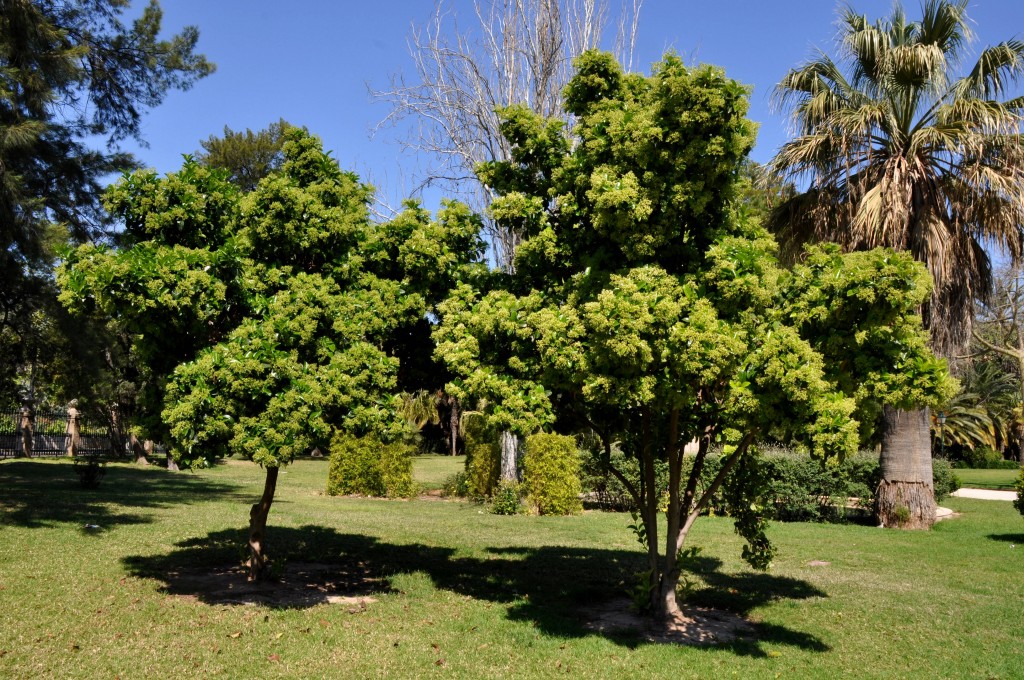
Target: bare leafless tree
[508,52]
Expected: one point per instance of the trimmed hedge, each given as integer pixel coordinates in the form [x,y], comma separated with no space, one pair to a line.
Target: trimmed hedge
[483,456]
[984,458]
[551,474]
[368,466]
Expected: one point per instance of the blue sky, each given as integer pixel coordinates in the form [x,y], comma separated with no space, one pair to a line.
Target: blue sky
[311,62]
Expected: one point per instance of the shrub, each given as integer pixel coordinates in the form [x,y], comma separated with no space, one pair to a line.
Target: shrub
[943,479]
[456,485]
[368,466]
[507,498]
[396,470]
[795,487]
[985,458]
[1019,503]
[483,456]
[551,474]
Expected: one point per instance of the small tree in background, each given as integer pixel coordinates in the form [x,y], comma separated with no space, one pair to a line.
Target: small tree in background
[247,156]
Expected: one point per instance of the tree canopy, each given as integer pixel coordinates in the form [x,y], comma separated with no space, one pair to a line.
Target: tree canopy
[69,73]
[269,318]
[649,307]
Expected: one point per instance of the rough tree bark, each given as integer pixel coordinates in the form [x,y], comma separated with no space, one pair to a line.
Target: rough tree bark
[905,497]
[509,471]
[258,562]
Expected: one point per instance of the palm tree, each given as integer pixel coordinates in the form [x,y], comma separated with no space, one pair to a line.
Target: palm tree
[897,150]
[427,407]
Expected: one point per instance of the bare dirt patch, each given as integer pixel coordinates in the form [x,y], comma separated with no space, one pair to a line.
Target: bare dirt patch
[694,625]
[298,585]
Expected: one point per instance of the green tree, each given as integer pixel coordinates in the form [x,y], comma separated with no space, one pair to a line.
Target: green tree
[999,334]
[69,73]
[266,317]
[897,149]
[647,307]
[247,156]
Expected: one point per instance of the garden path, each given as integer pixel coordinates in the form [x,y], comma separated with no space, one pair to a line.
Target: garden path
[986,494]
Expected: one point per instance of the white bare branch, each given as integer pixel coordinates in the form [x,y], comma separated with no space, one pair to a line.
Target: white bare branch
[515,52]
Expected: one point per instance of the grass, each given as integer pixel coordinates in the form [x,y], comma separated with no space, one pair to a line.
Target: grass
[987,479]
[430,470]
[462,593]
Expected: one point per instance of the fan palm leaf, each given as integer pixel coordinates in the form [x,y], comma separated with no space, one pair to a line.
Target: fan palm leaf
[896,149]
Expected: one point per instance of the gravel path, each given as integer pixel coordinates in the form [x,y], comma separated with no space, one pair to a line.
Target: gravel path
[987,494]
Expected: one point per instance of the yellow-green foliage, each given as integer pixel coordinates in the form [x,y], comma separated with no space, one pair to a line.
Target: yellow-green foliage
[551,472]
[367,466]
[483,456]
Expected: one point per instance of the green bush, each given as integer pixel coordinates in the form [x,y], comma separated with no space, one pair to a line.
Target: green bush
[396,470]
[483,456]
[1019,503]
[794,488]
[507,498]
[368,466]
[985,458]
[456,485]
[944,479]
[551,474]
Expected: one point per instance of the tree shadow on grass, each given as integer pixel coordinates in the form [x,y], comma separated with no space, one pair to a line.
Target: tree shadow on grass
[47,494]
[548,586]
[1017,539]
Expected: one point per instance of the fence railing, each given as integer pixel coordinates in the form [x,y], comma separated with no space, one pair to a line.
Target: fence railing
[50,432]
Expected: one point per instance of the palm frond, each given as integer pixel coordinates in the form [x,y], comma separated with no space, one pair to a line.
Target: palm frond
[997,67]
[944,25]
[893,154]
[419,408]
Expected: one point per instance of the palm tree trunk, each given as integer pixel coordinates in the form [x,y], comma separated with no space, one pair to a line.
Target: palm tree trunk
[905,497]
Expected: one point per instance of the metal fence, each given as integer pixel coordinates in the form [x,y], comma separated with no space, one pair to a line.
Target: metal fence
[25,432]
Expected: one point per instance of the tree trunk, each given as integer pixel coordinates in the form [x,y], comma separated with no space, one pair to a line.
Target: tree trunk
[905,497]
[509,457]
[172,464]
[258,562]
[453,424]
[665,606]
[138,450]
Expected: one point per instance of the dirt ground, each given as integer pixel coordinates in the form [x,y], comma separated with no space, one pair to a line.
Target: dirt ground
[306,584]
[694,626]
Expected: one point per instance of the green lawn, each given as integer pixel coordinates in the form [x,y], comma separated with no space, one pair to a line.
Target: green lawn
[987,479]
[465,594]
[430,471]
